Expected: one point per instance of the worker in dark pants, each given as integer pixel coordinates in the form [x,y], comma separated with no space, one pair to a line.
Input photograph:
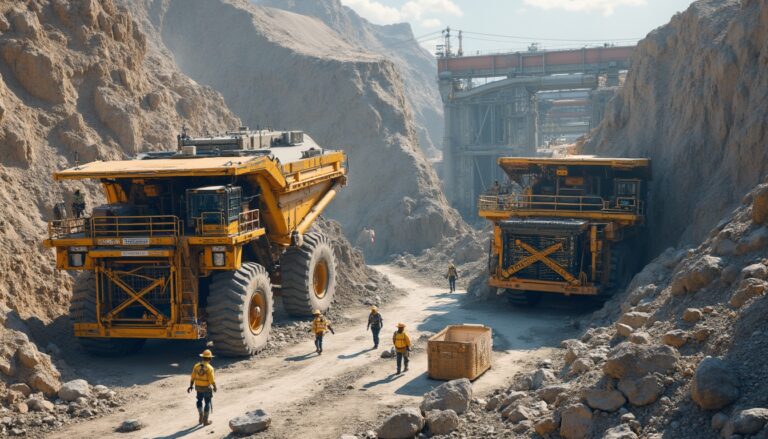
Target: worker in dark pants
[203,382]
[375,322]
[402,346]
[320,325]
[452,276]
[78,203]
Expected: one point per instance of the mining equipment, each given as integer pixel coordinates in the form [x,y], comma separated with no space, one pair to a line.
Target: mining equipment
[191,243]
[565,225]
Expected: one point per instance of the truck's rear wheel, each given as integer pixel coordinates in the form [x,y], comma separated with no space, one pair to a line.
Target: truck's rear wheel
[308,276]
[82,309]
[240,310]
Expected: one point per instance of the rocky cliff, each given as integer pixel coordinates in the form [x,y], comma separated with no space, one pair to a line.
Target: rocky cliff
[694,102]
[416,66]
[79,82]
[281,69]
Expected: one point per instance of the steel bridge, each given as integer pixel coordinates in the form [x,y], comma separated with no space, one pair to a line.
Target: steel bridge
[492,108]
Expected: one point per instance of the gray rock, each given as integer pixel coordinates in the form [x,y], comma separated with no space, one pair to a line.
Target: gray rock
[605,400]
[676,338]
[641,391]
[581,365]
[251,422]
[633,360]
[758,271]
[494,403]
[550,393]
[640,337]
[714,386]
[510,398]
[515,414]
[402,424]
[454,395]
[74,389]
[442,421]
[388,354]
[576,420]
[622,431]
[542,377]
[750,421]
[748,288]
[130,425]
[634,319]
[37,404]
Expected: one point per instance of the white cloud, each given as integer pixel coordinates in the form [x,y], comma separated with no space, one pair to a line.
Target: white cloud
[423,11]
[607,7]
[431,23]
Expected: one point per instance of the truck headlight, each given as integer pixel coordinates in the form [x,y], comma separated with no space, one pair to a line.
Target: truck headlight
[218,259]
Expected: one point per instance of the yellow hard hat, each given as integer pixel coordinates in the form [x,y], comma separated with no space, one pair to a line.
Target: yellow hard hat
[401,325]
[374,309]
[316,312]
[207,354]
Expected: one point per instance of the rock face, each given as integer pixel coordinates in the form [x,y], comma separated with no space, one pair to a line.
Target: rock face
[442,421]
[402,424]
[454,395]
[274,51]
[395,42]
[684,90]
[251,422]
[714,386]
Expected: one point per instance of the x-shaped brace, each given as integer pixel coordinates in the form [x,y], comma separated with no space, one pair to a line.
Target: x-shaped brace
[135,297]
[537,256]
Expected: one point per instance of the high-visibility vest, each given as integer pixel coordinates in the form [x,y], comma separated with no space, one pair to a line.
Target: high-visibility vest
[319,325]
[401,341]
[202,374]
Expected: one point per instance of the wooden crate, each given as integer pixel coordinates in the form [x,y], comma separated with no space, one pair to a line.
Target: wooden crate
[459,351]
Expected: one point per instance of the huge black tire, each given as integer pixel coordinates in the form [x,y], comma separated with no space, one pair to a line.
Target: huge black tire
[239,311]
[308,276]
[82,309]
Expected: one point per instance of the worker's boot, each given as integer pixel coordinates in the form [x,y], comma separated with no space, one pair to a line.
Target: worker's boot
[199,416]
[206,421]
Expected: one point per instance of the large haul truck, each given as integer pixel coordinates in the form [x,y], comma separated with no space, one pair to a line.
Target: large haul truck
[191,243]
[565,225]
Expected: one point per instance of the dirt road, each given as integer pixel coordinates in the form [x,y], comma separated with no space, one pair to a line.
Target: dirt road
[320,396]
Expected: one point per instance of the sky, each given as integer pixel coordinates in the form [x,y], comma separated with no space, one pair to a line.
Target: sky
[510,25]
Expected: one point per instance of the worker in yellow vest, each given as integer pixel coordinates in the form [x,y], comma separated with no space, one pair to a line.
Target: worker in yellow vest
[402,346]
[203,382]
[320,325]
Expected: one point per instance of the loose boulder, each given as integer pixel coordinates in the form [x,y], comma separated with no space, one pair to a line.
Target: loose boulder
[129,426]
[251,422]
[605,400]
[576,420]
[74,389]
[628,359]
[442,421]
[757,271]
[550,393]
[750,421]
[676,338]
[634,319]
[760,205]
[697,276]
[748,288]
[692,315]
[454,395]
[623,330]
[623,431]
[541,378]
[641,391]
[402,424]
[714,386]
[515,414]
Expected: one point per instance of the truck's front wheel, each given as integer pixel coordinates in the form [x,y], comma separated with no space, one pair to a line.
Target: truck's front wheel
[82,309]
[308,276]
[240,310]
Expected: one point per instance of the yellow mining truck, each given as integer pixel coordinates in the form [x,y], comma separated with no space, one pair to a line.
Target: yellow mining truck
[565,225]
[191,243]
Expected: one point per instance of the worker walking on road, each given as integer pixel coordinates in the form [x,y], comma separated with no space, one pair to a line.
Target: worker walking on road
[452,276]
[78,203]
[375,322]
[402,346]
[320,325]
[204,384]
